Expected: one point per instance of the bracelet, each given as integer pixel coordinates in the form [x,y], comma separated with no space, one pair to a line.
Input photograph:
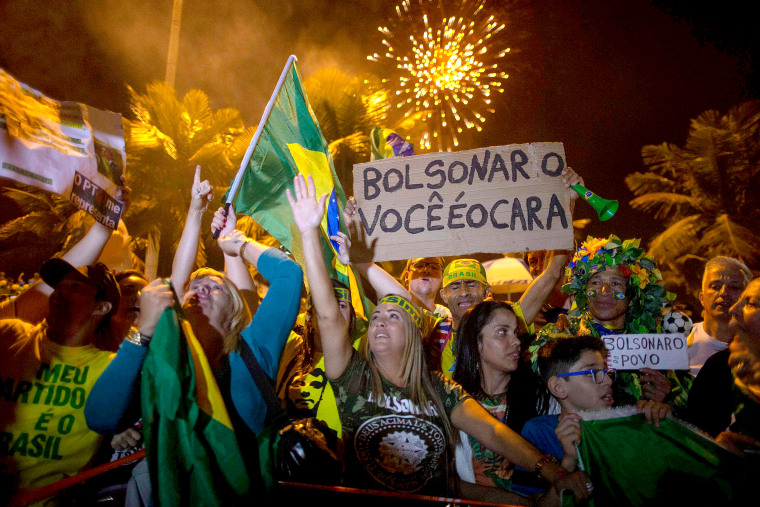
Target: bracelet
[242,248]
[136,337]
[546,458]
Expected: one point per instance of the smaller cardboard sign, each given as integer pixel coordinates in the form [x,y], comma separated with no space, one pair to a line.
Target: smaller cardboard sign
[68,148]
[658,351]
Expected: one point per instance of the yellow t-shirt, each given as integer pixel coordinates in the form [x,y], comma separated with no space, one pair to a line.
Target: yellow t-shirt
[448,357]
[308,388]
[43,389]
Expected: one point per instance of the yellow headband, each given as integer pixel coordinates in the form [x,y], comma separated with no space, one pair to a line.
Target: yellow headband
[342,294]
[404,305]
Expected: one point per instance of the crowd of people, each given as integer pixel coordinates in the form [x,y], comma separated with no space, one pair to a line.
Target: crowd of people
[442,391]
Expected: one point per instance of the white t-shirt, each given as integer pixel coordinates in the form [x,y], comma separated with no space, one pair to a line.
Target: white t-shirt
[701,347]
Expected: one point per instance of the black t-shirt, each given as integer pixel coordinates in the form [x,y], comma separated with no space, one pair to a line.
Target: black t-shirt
[714,400]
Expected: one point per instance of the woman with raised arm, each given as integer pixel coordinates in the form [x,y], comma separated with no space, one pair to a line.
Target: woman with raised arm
[399,419]
[220,319]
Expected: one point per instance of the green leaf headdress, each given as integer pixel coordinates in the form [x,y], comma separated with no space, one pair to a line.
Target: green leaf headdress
[644,286]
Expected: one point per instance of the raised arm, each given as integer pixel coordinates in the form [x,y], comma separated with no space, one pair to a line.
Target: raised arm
[234,265]
[307,214]
[113,404]
[184,258]
[380,280]
[32,305]
[540,289]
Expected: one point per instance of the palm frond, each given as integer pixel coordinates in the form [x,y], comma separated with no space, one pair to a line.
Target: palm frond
[357,143]
[665,158]
[666,204]
[677,239]
[197,112]
[239,145]
[253,230]
[642,183]
[39,223]
[726,237]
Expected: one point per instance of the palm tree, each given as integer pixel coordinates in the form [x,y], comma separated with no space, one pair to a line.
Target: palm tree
[165,141]
[348,108]
[706,192]
[49,223]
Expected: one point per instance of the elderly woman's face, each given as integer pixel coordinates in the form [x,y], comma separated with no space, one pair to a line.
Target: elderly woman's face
[745,316]
[210,296]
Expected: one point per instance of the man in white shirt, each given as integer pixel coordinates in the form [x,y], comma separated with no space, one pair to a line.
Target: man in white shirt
[723,281]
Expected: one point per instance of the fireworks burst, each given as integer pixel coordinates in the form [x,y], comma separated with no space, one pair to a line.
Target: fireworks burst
[447,54]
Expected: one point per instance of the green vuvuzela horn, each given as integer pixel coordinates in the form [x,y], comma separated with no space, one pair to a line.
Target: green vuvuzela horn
[605,209]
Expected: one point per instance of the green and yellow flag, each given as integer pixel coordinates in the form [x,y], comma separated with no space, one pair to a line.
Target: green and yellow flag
[289,142]
[193,454]
[634,463]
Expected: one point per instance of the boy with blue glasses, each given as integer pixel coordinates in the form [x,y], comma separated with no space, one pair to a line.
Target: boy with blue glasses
[574,370]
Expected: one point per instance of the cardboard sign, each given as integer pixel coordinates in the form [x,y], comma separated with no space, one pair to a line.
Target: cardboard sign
[490,200]
[656,351]
[64,147]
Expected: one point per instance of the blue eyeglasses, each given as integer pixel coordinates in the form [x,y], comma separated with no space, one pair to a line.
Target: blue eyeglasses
[596,375]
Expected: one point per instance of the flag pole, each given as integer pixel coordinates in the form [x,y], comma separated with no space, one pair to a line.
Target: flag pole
[255,141]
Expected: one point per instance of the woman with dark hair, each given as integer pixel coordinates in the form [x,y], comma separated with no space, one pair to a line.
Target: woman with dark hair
[398,418]
[490,369]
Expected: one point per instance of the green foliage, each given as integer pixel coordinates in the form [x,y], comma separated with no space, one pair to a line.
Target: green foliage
[705,193]
[47,226]
[644,286]
[347,108]
[166,139]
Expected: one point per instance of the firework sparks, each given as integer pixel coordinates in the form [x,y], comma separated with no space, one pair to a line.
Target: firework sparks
[447,54]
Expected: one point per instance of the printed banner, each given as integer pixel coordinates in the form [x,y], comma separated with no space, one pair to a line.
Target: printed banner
[490,200]
[657,351]
[68,148]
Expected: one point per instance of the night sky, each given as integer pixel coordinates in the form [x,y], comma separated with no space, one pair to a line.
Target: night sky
[603,77]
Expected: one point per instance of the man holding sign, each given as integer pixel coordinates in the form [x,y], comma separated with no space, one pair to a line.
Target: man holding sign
[465,285]
[618,291]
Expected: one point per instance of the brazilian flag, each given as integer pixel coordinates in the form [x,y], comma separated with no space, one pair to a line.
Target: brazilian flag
[385,143]
[634,463]
[290,142]
[193,455]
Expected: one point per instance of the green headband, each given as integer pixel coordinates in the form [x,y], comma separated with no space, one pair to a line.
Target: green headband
[404,305]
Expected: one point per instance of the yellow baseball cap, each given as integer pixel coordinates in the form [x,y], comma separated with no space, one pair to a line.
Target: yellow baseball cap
[464,269]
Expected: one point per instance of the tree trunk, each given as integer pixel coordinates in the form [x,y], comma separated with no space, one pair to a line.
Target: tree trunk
[171,59]
[151,255]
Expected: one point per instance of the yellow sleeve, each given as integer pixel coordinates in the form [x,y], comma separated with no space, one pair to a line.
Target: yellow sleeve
[448,358]
[521,318]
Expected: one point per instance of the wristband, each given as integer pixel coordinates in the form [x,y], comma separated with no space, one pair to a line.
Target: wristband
[546,458]
[242,248]
[136,337]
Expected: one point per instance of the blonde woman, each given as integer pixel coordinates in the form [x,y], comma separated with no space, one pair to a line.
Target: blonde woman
[399,419]
[216,309]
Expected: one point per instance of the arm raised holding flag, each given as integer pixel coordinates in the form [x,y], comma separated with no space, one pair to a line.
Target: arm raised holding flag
[390,377]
